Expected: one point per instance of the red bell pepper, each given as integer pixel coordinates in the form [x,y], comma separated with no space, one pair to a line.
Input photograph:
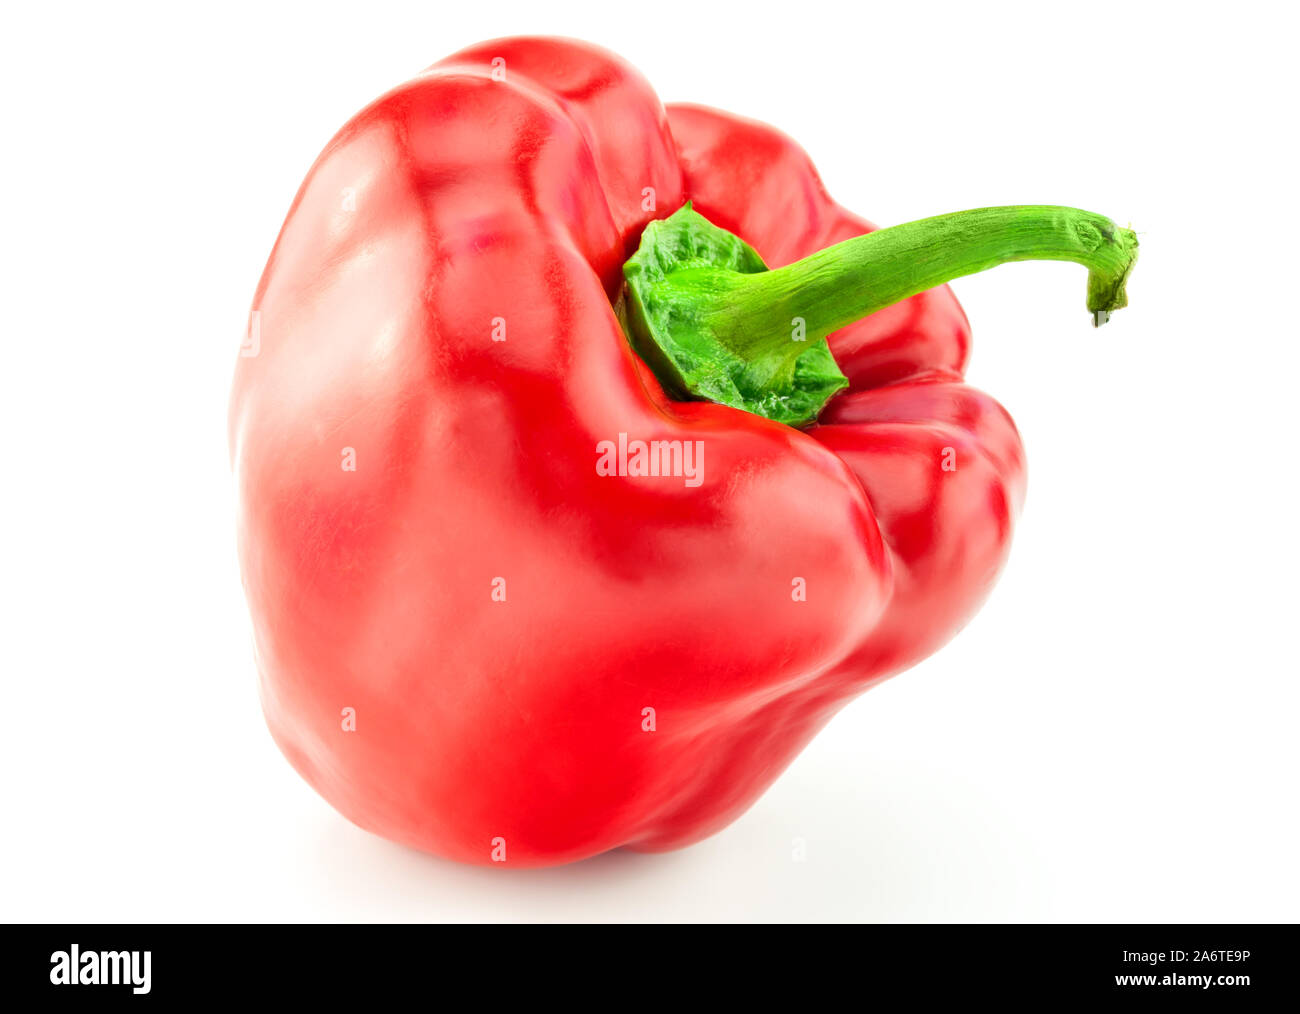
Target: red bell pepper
[562,530]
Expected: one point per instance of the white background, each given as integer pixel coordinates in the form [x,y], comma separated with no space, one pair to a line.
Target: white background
[1113,738]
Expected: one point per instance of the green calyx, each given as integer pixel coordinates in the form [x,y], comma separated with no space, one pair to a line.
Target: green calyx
[714,323]
[684,270]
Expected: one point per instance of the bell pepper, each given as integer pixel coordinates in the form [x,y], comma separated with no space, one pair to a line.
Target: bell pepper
[590,458]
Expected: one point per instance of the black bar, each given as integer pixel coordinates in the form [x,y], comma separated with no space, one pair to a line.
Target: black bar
[1224,964]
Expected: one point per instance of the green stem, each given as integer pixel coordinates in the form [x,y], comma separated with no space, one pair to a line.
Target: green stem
[703,310]
[850,280]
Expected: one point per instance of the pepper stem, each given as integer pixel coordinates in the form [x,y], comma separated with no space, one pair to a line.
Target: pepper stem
[850,280]
[714,322]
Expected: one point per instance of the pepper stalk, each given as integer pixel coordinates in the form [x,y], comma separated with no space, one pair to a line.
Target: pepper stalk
[713,322]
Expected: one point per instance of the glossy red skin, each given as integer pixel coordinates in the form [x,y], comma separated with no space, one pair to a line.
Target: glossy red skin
[478,721]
